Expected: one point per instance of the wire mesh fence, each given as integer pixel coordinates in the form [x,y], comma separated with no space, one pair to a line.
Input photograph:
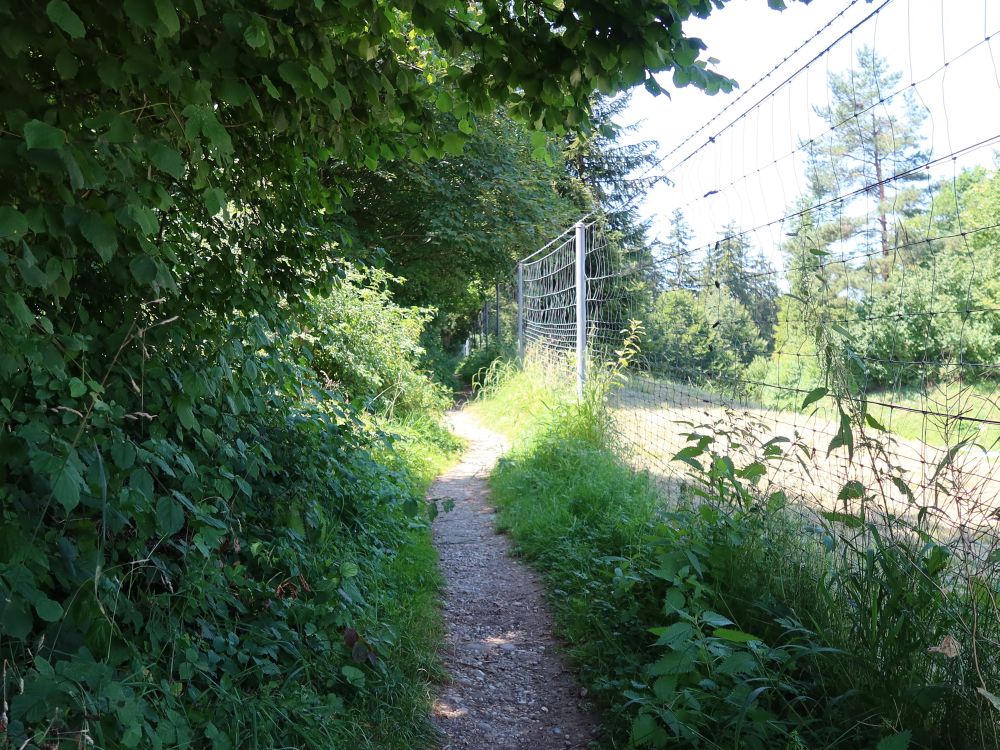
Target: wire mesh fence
[823,299]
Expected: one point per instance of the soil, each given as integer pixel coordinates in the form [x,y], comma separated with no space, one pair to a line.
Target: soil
[509,688]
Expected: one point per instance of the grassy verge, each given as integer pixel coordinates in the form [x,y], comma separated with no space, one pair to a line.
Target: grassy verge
[725,624]
[392,710]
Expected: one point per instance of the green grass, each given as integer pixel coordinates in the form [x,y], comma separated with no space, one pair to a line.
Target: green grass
[514,401]
[393,713]
[901,409]
[839,624]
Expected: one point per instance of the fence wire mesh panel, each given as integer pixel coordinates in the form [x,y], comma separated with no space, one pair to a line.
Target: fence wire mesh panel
[823,301]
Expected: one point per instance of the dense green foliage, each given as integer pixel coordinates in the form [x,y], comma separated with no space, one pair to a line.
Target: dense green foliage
[369,346]
[699,614]
[200,542]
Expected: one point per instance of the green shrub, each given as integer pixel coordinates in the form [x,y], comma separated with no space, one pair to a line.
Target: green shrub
[369,347]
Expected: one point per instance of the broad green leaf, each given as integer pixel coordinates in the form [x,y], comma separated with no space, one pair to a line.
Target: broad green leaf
[993,699]
[215,201]
[255,36]
[813,396]
[454,143]
[353,675]
[646,732]
[16,621]
[665,687]
[349,569]
[66,486]
[66,65]
[123,453]
[734,636]
[101,234]
[47,609]
[851,491]
[270,87]
[844,437]
[444,102]
[185,413]
[63,16]
[714,619]
[143,269]
[13,224]
[675,662]
[900,741]
[167,14]
[20,311]
[168,160]
[76,387]
[318,77]
[169,516]
[874,423]
[41,135]
[847,519]
[672,635]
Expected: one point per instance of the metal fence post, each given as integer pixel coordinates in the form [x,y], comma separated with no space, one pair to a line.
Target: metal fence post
[520,314]
[581,307]
[498,311]
[486,324]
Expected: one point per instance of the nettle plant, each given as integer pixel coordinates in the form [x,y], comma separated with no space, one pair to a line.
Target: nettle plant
[715,684]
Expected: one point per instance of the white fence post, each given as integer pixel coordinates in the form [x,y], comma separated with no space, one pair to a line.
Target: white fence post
[520,314]
[581,307]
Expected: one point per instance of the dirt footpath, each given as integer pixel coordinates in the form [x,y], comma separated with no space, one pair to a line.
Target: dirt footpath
[509,688]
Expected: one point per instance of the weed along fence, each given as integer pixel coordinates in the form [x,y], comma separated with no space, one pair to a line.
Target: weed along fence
[819,317]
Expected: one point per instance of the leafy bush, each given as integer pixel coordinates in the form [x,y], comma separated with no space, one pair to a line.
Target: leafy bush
[369,347]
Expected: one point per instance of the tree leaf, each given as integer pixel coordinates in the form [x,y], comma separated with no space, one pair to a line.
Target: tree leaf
[63,16]
[143,269]
[168,160]
[255,36]
[13,224]
[185,413]
[167,14]
[41,135]
[99,233]
[214,200]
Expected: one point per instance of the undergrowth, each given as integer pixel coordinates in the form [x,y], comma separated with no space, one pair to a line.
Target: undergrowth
[724,622]
[248,568]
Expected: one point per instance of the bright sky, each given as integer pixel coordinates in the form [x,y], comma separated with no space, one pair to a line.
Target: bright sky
[756,166]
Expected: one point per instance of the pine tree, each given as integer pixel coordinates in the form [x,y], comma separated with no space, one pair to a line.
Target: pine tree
[732,266]
[874,143]
[615,172]
[677,270]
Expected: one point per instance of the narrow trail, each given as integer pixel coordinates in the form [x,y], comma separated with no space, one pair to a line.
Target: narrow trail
[509,689]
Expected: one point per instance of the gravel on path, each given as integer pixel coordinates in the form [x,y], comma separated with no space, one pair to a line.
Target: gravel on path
[509,689]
